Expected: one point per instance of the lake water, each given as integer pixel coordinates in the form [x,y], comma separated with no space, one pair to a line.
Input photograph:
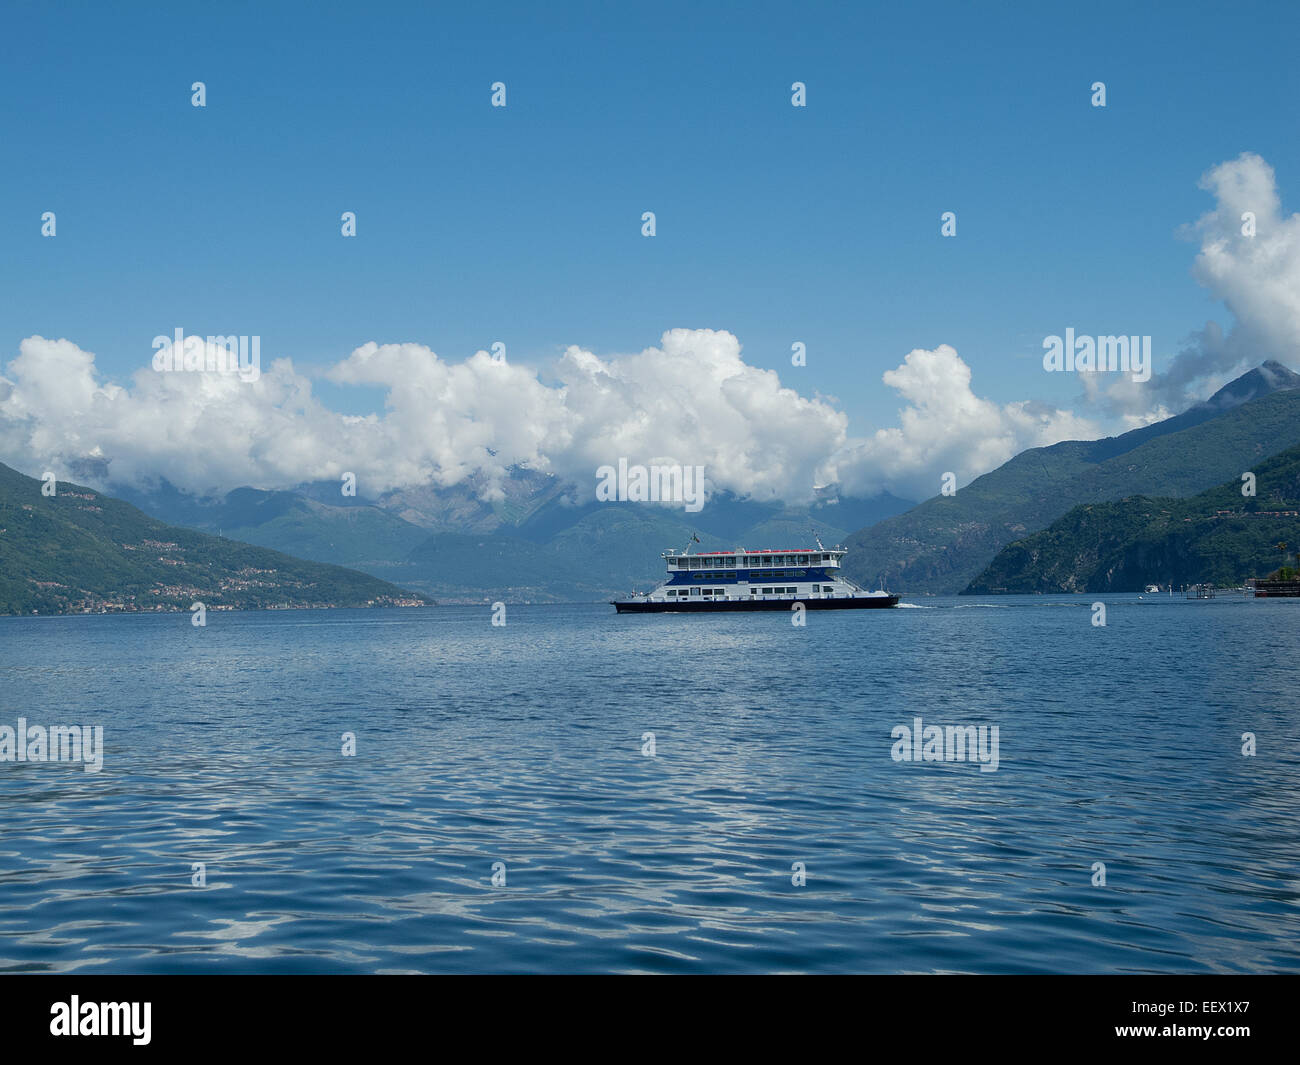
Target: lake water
[524,745]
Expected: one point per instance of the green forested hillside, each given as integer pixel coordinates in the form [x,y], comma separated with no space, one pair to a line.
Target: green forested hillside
[79,550]
[944,543]
[1216,537]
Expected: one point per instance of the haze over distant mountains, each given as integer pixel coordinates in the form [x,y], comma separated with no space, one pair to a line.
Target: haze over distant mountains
[534,544]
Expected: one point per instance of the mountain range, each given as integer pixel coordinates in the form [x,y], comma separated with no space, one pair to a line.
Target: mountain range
[942,545]
[1218,537]
[534,544]
[79,550]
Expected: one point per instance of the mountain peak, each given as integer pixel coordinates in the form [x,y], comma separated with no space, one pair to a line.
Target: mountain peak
[1266,378]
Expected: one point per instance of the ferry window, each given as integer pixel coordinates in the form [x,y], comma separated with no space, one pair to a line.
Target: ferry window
[803,560]
[767,591]
[730,563]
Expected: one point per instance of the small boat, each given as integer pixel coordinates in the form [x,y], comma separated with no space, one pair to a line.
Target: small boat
[747,579]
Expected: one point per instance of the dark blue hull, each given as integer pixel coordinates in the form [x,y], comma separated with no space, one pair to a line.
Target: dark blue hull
[722,606]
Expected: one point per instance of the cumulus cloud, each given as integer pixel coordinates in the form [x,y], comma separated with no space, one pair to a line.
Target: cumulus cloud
[692,401]
[1256,277]
[948,428]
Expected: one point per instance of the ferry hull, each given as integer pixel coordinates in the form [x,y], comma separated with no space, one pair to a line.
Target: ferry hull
[863,602]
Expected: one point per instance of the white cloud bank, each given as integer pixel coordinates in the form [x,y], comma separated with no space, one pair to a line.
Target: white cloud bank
[692,400]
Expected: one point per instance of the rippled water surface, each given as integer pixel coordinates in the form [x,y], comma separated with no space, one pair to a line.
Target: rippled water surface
[524,745]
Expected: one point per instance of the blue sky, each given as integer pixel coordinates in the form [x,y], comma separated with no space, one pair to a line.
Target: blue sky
[522,224]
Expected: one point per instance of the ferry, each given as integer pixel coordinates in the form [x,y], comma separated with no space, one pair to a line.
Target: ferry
[744,579]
